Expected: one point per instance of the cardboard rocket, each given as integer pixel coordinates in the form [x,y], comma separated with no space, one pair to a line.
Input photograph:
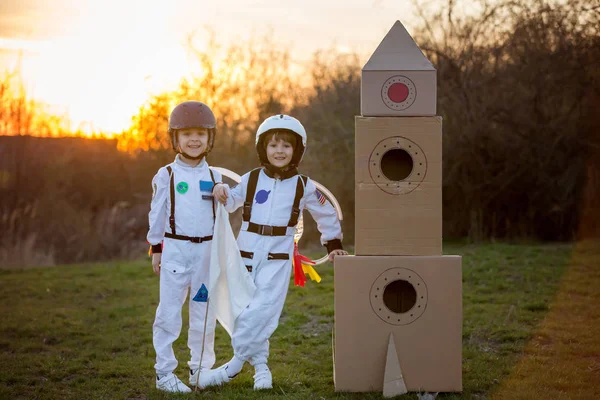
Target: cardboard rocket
[398,301]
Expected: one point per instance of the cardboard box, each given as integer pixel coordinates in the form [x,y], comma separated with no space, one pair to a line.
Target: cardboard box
[398,80]
[398,186]
[419,301]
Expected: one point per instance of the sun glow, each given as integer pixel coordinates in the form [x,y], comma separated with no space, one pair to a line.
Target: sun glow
[98,61]
[110,64]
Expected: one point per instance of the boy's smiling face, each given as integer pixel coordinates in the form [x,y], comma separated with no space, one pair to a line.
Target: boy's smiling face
[279,152]
[192,141]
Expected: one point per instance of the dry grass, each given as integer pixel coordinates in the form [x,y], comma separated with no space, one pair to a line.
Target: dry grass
[563,359]
[25,252]
[67,235]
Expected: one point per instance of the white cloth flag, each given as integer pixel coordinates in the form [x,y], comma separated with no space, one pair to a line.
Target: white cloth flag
[230,286]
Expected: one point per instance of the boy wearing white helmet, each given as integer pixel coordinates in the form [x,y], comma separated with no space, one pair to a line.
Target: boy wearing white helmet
[181,226]
[273,198]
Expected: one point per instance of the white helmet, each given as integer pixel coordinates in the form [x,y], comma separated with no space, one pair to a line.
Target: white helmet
[281,122]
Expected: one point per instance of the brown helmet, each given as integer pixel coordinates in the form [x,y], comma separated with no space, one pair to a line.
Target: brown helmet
[192,114]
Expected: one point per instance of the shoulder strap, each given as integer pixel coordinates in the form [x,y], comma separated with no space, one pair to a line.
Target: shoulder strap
[172,193]
[250,190]
[212,177]
[302,179]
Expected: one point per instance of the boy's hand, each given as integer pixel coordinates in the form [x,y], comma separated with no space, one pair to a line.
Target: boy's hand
[156,262]
[220,193]
[337,253]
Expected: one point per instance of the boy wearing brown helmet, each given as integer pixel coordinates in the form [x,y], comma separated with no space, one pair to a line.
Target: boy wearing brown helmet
[181,228]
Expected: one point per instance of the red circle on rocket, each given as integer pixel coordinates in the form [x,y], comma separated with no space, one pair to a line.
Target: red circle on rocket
[398,92]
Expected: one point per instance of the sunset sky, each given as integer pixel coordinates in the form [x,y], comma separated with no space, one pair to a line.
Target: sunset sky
[100,59]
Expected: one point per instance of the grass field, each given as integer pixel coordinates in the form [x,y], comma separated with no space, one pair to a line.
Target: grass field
[84,331]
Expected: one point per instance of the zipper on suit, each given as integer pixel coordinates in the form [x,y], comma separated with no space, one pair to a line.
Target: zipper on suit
[272,202]
[198,196]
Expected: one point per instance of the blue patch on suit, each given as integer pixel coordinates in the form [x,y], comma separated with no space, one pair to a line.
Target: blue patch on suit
[202,295]
[262,196]
[206,186]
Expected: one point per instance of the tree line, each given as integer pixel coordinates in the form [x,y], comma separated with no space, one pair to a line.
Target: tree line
[518,90]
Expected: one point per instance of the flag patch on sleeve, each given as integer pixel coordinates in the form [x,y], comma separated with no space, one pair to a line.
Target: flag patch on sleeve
[320,197]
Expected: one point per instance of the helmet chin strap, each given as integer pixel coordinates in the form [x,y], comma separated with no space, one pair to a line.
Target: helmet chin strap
[285,172]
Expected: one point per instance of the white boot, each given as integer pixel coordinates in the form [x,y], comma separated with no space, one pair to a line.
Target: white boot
[171,383]
[210,377]
[194,380]
[263,378]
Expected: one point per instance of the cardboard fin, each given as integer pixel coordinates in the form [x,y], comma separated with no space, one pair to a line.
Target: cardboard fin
[393,381]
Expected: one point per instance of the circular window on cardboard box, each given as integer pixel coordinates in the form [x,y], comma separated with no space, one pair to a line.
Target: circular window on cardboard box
[398,93]
[399,296]
[397,165]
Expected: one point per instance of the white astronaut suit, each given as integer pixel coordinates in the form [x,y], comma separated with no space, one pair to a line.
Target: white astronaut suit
[269,258]
[185,259]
